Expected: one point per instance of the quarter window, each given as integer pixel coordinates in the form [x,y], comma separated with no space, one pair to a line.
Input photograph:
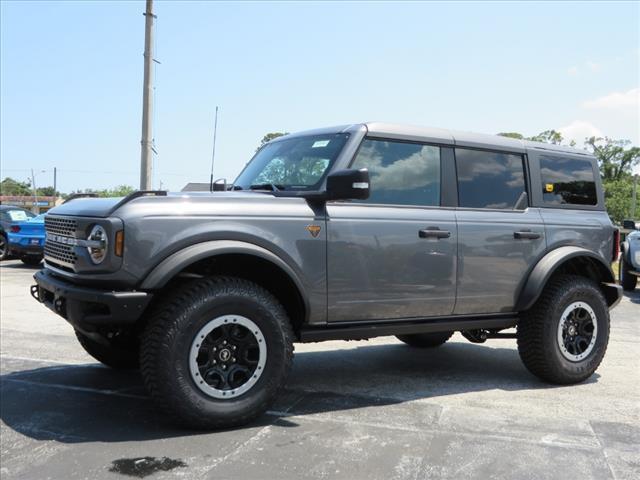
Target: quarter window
[567,180]
[490,180]
[401,173]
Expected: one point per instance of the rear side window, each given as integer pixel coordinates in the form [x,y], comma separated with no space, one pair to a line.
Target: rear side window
[568,181]
[401,173]
[490,180]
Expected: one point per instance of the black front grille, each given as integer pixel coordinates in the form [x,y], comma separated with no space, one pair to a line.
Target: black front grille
[57,252]
[60,226]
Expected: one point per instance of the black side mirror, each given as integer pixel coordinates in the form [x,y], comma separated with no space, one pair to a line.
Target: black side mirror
[628,224]
[348,185]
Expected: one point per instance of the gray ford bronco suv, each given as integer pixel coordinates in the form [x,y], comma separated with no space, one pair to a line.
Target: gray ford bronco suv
[349,232]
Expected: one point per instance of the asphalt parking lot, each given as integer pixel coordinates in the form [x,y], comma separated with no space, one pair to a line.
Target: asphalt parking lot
[352,410]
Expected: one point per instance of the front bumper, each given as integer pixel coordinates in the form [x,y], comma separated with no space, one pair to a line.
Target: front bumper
[88,309]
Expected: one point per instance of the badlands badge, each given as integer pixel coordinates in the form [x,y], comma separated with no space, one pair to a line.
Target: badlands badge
[314,230]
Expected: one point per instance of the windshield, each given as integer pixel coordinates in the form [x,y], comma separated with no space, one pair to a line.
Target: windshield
[298,163]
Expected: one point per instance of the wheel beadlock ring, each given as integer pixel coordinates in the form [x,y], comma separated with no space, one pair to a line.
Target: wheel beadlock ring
[566,328]
[227,320]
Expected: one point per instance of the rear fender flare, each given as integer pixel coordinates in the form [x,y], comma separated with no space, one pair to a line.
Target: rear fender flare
[548,265]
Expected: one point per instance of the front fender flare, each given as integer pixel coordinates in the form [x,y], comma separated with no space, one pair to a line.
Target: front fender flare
[175,263]
[549,264]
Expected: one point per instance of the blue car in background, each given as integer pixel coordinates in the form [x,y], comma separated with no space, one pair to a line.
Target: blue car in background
[21,235]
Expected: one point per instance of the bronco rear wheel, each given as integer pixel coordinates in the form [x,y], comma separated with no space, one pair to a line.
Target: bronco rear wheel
[217,352]
[119,352]
[425,340]
[563,337]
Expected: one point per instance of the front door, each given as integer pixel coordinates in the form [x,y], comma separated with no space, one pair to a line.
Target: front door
[393,256]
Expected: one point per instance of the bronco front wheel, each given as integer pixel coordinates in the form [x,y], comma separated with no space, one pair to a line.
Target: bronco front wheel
[563,338]
[216,353]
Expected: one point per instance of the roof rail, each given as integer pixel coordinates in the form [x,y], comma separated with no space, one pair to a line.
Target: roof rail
[74,196]
[137,194]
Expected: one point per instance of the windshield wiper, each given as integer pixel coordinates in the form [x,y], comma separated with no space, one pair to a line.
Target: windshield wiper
[264,186]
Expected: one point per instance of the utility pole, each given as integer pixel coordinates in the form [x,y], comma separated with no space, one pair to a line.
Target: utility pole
[146,159]
[55,184]
[36,207]
[634,196]
[213,152]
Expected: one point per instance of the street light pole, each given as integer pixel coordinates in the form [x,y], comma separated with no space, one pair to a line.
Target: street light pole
[146,160]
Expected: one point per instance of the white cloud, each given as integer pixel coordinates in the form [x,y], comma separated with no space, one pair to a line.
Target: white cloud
[593,66]
[617,100]
[572,70]
[578,130]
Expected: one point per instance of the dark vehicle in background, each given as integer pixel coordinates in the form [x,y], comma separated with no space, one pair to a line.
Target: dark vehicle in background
[21,235]
[630,257]
[346,233]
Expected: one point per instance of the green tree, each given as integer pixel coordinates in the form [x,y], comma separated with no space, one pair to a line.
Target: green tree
[9,186]
[618,198]
[516,135]
[615,157]
[119,191]
[548,136]
[46,192]
[270,136]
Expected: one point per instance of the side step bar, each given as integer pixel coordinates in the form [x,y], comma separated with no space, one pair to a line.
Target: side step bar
[364,330]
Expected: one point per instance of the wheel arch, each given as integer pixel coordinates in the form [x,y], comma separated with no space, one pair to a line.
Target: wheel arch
[239,259]
[570,260]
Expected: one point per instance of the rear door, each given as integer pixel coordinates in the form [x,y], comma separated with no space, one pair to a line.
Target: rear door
[499,236]
[394,255]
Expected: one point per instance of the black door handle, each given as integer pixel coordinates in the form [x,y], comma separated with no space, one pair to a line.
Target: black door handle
[526,235]
[433,232]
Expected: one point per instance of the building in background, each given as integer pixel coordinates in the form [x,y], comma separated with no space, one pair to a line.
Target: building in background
[35,204]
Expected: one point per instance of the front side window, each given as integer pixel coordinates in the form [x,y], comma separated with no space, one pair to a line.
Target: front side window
[298,163]
[567,180]
[401,173]
[490,180]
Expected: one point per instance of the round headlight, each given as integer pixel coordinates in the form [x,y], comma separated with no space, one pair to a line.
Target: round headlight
[98,252]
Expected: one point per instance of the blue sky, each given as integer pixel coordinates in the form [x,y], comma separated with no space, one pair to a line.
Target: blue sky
[71,77]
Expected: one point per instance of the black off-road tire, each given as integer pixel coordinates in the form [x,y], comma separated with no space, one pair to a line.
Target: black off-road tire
[538,344]
[120,354]
[167,340]
[425,340]
[627,280]
[32,260]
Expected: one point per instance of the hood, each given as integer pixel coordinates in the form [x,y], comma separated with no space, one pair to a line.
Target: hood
[87,207]
[105,207]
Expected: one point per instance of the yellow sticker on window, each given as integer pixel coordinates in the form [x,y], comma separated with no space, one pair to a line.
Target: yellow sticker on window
[549,187]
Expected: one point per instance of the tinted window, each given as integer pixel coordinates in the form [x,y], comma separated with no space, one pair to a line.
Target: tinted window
[567,181]
[489,180]
[401,173]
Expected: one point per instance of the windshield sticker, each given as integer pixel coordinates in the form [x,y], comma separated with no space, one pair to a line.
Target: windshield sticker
[320,144]
[549,187]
